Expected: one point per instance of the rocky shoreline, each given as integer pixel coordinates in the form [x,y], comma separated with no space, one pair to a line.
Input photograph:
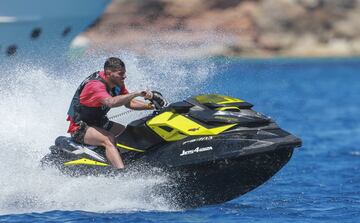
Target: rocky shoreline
[245,28]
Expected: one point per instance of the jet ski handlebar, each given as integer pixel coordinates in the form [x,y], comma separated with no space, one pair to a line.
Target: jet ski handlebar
[158,100]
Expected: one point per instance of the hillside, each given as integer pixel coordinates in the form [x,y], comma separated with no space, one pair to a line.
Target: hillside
[249,28]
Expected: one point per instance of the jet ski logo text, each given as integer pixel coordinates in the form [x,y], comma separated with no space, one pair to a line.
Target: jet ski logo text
[198,139]
[197,150]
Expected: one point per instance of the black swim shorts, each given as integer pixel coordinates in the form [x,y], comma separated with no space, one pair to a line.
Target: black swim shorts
[79,134]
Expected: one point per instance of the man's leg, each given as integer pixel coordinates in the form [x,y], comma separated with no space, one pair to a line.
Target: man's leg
[100,137]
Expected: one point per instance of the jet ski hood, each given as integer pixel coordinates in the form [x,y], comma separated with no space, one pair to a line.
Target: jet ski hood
[215,109]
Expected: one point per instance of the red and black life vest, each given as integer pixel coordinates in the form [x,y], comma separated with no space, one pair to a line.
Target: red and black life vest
[90,115]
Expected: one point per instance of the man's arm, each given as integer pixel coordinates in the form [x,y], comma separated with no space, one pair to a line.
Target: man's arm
[139,105]
[120,100]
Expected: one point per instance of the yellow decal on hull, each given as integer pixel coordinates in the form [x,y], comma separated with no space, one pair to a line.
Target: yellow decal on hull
[229,108]
[84,161]
[173,127]
[129,148]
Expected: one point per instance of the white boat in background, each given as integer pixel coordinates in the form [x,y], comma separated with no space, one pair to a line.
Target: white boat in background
[35,28]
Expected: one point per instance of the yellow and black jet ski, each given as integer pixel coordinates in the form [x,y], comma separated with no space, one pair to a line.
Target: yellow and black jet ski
[213,147]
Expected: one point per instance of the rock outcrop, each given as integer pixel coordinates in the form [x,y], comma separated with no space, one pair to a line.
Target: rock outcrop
[250,28]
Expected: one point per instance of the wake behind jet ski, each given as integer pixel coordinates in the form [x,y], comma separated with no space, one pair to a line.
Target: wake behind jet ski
[213,147]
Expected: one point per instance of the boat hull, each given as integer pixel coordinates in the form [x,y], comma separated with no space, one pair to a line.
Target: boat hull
[43,28]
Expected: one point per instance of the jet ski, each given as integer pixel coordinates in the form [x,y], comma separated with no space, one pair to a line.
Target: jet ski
[213,147]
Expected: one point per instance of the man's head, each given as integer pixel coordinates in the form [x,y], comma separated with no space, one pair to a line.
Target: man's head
[115,70]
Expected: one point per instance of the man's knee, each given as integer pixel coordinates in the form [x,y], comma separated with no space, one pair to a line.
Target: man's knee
[112,139]
[108,141]
[110,136]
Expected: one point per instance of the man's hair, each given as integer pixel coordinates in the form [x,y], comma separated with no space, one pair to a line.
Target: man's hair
[114,63]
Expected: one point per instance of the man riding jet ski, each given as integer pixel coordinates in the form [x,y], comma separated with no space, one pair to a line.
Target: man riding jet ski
[93,99]
[214,148]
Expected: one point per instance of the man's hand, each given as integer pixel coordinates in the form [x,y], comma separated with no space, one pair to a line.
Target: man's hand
[149,107]
[147,94]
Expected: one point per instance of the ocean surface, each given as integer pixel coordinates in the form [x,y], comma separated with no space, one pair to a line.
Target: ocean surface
[316,99]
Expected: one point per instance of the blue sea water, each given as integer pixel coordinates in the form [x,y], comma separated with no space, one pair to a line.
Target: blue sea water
[315,99]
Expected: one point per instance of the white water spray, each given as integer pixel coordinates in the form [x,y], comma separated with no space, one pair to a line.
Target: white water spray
[33,105]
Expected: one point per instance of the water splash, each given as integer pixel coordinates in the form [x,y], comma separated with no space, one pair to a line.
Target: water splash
[33,104]
[355,153]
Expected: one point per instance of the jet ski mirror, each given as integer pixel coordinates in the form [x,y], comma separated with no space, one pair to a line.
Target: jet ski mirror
[158,100]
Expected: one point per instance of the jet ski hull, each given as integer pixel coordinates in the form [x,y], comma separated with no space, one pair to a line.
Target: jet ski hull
[223,180]
[201,171]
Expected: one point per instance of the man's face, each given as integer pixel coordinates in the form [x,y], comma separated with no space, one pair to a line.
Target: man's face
[117,77]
